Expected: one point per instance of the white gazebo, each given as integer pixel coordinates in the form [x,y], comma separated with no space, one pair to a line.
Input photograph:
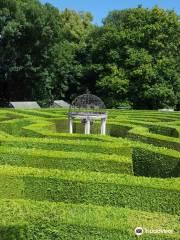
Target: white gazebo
[87,108]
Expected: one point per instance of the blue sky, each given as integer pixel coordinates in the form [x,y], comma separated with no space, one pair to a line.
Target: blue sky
[100,8]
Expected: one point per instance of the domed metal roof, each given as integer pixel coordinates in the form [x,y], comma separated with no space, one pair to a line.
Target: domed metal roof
[88,101]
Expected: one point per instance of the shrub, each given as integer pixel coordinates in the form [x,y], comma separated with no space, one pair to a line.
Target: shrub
[63,160]
[151,162]
[142,134]
[89,187]
[47,220]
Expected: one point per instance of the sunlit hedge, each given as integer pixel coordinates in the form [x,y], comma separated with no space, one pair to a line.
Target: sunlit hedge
[150,161]
[64,160]
[76,186]
[89,187]
[22,219]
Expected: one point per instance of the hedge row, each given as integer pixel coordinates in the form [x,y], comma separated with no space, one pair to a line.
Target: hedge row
[124,127]
[145,116]
[103,189]
[15,127]
[170,131]
[22,220]
[45,129]
[142,134]
[151,161]
[121,147]
[49,129]
[167,129]
[25,219]
[163,163]
[37,113]
[61,114]
[146,163]
[3,118]
[65,160]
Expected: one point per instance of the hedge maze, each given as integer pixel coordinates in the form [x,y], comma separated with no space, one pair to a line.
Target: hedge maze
[55,185]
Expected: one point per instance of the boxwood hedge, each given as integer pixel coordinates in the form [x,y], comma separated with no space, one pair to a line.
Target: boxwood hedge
[22,220]
[89,187]
[142,134]
[154,162]
[63,160]
[73,186]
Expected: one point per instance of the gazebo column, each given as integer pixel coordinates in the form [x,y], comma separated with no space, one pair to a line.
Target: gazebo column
[103,126]
[70,125]
[87,128]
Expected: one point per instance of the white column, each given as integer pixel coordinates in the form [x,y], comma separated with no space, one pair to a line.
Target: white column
[103,126]
[70,125]
[87,129]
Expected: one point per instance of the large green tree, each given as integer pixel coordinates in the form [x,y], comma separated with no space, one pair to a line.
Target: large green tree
[38,46]
[68,67]
[28,31]
[145,45]
[46,54]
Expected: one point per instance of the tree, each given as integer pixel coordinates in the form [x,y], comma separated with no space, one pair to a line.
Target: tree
[114,87]
[46,54]
[27,33]
[75,25]
[68,66]
[38,46]
[145,44]
[160,95]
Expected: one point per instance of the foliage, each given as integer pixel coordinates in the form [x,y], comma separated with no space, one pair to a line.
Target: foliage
[149,162]
[47,54]
[55,185]
[38,158]
[37,50]
[144,44]
[116,84]
[22,219]
[118,190]
[143,134]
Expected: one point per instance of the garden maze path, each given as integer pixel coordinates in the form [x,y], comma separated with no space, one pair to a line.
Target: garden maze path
[55,185]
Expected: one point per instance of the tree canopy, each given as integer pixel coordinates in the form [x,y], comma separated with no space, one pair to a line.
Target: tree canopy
[143,45]
[46,54]
[37,50]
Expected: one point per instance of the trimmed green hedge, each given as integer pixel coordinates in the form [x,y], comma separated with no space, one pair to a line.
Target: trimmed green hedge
[55,174]
[15,127]
[37,113]
[49,129]
[14,232]
[89,187]
[63,160]
[26,220]
[169,129]
[121,147]
[165,130]
[153,162]
[142,134]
